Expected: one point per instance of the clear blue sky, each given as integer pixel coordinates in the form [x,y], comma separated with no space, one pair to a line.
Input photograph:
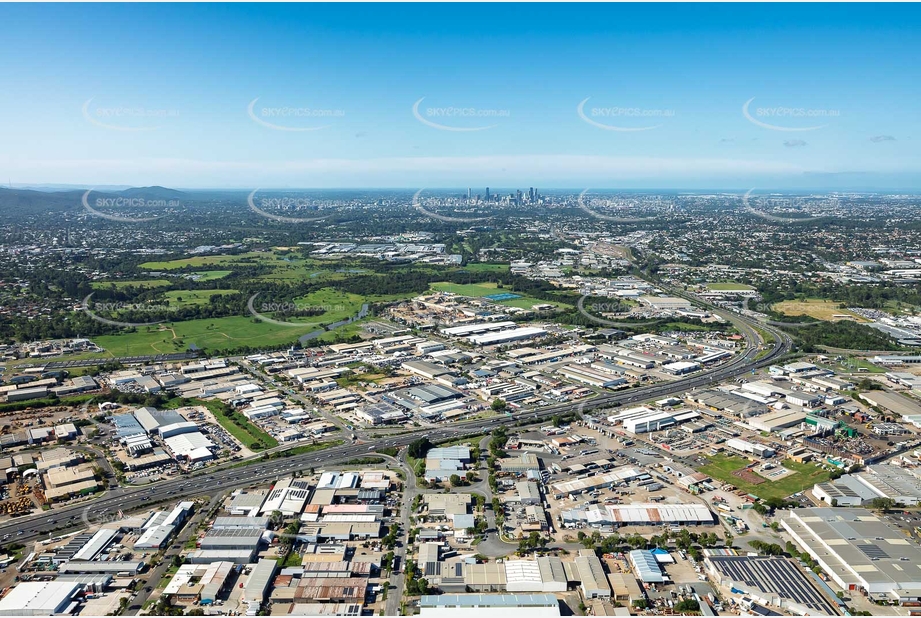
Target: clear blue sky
[186,74]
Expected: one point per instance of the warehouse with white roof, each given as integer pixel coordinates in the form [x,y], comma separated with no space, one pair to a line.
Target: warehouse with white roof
[508,336]
[40,599]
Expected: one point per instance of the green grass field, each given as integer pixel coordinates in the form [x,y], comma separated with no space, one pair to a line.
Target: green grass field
[192,298]
[212,260]
[729,286]
[819,309]
[478,290]
[145,284]
[213,335]
[806,475]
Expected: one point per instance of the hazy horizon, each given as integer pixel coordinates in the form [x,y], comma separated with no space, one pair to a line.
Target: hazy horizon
[779,96]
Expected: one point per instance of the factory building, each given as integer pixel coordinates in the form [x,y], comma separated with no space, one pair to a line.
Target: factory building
[592,580]
[508,336]
[597,379]
[40,599]
[644,420]
[638,514]
[750,448]
[489,606]
[645,566]
[859,551]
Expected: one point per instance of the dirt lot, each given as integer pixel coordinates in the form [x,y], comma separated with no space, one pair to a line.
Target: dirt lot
[818,309]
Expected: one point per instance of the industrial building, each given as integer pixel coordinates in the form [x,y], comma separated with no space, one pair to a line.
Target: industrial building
[520,464]
[246,503]
[592,580]
[775,421]
[508,336]
[476,329]
[598,379]
[624,474]
[199,583]
[646,567]
[490,605]
[527,492]
[40,599]
[879,481]
[637,514]
[288,496]
[257,586]
[546,574]
[773,580]
[859,551]
[644,420]
[750,448]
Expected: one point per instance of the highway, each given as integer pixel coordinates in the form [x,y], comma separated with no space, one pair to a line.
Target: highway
[210,482]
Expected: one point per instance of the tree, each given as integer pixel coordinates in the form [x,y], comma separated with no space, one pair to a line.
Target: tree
[882,504]
[455,480]
[687,605]
[418,448]
[498,405]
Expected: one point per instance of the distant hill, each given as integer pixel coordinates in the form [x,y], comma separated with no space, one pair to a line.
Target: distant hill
[22,202]
[152,193]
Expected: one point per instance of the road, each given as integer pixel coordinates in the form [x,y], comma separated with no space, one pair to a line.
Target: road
[150,591]
[126,499]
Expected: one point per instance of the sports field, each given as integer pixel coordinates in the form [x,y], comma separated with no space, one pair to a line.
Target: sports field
[721,467]
[817,308]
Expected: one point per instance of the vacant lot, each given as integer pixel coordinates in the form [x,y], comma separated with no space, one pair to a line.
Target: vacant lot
[818,309]
[722,467]
[729,286]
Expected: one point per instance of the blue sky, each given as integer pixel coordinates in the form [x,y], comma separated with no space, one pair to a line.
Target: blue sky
[159,94]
